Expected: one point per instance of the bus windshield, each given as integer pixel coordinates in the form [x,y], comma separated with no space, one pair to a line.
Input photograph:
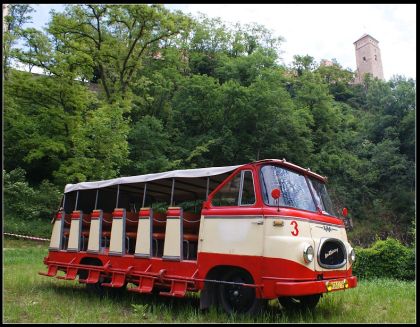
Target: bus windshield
[296,190]
[322,199]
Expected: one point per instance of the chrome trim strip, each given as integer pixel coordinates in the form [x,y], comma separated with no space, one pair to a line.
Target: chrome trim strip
[327,228]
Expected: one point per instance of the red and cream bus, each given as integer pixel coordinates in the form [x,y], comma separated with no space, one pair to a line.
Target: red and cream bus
[240,235]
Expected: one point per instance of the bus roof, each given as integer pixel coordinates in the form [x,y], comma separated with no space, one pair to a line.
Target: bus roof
[183,174]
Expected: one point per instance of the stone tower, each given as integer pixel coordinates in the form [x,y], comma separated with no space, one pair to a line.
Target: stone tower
[368,58]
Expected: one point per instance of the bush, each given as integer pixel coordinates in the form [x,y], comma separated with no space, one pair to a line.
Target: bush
[36,227]
[385,258]
[18,195]
[28,210]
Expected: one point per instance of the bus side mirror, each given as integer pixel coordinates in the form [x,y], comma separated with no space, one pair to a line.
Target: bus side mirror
[276,193]
[348,222]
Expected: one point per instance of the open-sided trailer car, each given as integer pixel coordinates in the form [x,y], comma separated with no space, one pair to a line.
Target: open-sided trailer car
[240,235]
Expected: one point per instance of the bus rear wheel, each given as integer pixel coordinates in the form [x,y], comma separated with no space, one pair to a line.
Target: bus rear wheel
[300,302]
[237,298]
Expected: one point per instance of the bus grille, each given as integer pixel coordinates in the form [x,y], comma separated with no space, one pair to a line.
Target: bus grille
[332,253]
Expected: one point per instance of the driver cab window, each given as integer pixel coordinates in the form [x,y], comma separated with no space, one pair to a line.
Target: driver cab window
[238,191]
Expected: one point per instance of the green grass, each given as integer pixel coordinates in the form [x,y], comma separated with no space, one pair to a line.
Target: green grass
[31,298]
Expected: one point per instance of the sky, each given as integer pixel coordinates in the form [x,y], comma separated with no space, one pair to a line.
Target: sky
[323,31]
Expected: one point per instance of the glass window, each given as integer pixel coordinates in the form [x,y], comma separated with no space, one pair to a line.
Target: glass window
[248,194]
[321,196]
[294,188]
[236,193]
[228,195]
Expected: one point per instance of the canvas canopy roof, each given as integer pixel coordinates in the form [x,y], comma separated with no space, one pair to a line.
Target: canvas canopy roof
[124,192]
[178,174]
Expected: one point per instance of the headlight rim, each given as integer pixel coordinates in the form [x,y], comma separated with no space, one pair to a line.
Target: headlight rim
[306,254]
[352,256]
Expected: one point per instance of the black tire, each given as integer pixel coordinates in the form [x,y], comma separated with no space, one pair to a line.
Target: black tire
[296,303]
[236,298]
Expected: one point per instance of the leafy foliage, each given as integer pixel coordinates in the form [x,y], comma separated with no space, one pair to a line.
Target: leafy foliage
[100,146]
[385,259]
[105,43]
[23,202]
[13,22]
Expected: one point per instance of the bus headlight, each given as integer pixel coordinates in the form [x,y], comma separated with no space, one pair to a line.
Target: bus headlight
[352,256]
[308,253]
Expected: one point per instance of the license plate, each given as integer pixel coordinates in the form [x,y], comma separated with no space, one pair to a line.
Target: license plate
[336,285]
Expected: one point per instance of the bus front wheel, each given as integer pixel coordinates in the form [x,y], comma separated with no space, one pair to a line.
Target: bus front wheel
[234,297]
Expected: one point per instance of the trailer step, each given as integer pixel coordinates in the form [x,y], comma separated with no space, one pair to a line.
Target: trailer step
[145,285]
[70,275]
[52,271]
[178,289]
[118,277]
[93,277]
[118,280]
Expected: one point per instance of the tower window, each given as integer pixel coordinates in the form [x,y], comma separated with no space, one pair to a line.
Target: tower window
[364,58]
[376,58]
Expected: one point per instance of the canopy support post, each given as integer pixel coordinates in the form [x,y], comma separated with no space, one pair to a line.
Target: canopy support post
[144,195]
[77,199]
[96,199]
[118,195]
[207,188]
[172,192]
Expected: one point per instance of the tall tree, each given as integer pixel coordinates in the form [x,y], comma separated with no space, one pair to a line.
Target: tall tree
[100,145]
[18,15]
[105,42]
[41,114]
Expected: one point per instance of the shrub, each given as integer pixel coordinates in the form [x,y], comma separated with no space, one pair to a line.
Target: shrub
[18,195]
[385,258]
[36,227]
[27,210]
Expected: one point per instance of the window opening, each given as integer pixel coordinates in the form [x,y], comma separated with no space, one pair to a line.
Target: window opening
[238,191]
[248,193]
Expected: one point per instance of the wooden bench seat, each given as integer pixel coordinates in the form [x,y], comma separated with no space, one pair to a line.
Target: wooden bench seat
[131,234]
[86,219]
[191,237]
[131,222]
[107,219]
[191,222]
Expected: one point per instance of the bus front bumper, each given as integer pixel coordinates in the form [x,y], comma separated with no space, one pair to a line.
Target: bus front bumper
[314,287]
